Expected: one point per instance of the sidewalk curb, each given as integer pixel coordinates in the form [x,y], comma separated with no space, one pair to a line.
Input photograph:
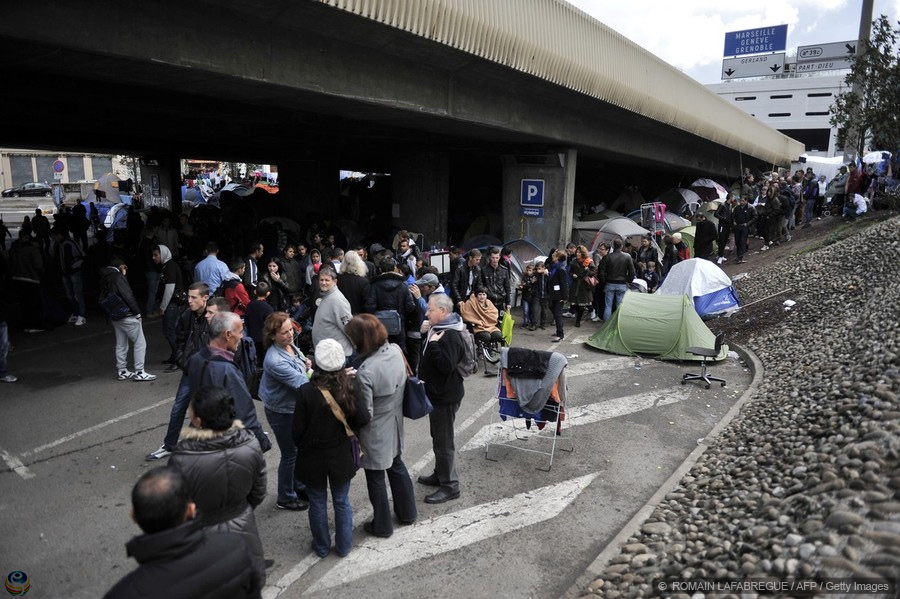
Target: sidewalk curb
[595,569]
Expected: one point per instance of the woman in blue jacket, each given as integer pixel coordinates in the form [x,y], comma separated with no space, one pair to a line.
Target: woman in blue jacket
[284,371]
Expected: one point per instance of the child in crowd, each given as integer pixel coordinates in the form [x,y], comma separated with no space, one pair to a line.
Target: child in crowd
[539,299]
[297,310]
[527,289]
[651,276]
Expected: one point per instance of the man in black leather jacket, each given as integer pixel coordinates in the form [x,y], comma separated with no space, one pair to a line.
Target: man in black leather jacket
[496,276]
[465,278]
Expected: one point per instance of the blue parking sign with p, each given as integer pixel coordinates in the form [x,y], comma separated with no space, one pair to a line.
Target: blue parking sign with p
[532,192]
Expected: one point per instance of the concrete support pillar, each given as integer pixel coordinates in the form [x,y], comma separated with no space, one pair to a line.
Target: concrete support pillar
[162,175]
[555,175]
[420,185]
[310,185]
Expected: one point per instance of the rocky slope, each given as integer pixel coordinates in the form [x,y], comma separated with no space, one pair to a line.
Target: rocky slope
[805,482]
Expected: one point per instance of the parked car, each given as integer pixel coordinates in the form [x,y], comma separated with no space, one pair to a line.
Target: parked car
[28,189]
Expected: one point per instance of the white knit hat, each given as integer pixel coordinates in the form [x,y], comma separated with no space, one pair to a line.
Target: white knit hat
[329,355]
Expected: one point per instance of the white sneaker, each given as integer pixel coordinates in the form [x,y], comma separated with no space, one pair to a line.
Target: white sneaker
[595,318]
[159,454]
[72,319]
[720,260]
[763,248]
[125,375]
[8,378]
[568,315]
[79,321]
[141,376]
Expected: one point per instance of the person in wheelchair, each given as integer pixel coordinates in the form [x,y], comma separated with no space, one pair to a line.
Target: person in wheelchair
[483,317]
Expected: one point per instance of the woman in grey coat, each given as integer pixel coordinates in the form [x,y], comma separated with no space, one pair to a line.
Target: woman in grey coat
[380,382]
[225,469]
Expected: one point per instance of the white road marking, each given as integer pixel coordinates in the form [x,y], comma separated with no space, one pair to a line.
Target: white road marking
[579,415]
[15,464]
[96,427]
[293,575]
[453,531]
[424,463]
[57,342]
[616,363]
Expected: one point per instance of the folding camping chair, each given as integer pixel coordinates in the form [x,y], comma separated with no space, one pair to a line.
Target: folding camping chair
[512,427]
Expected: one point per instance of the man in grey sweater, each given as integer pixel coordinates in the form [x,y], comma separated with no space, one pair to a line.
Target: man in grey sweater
[333,312]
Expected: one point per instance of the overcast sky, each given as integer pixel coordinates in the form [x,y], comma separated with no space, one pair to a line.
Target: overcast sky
[690,34]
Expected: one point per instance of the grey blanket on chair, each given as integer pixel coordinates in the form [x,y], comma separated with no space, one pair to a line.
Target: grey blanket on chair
[532,394]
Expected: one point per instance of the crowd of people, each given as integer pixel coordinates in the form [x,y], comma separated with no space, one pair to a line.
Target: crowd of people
[772,208]
[321,338]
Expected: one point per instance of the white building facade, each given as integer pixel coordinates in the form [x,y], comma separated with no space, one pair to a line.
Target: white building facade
[797,106]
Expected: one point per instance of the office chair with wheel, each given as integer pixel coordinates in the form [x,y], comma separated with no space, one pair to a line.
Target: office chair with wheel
[705,352]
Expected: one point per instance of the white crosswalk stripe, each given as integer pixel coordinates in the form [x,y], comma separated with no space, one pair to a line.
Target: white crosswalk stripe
[580,415]
[453,531]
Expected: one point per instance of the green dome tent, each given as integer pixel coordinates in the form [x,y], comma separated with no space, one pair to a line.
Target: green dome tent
[656,325]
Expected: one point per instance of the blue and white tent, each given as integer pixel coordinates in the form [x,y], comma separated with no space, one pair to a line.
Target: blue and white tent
[709,288]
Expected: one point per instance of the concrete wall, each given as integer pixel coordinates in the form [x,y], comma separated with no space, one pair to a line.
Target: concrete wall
[420,183]
[166,172]
[553,229]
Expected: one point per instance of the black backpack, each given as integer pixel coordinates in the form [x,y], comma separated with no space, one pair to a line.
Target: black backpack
[114,306]
[787,203]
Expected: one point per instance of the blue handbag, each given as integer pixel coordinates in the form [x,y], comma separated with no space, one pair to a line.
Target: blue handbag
[415,401]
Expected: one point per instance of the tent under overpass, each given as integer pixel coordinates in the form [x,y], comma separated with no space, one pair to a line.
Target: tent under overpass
[663,326]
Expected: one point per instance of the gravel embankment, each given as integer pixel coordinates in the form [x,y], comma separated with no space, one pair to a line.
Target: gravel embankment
[805,482]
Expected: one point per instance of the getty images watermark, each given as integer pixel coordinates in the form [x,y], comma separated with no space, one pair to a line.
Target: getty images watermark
[768,586]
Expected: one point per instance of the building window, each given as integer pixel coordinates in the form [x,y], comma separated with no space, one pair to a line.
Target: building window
[75,167]
[779,114]
[819,95]
[744,98]
[782,96]
[100,165]
[44,165]
[20,167]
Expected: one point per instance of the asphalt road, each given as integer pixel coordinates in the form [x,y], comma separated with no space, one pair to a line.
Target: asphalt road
[73,439]
[14,210]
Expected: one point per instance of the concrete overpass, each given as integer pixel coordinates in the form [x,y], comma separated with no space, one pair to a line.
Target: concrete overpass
[448,97]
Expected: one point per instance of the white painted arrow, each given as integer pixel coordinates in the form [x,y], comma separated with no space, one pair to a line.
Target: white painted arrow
[579,415]
[453,531]
[615,363]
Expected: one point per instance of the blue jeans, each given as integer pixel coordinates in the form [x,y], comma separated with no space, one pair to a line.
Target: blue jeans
[152,287]
[281,426]
[4,346]
[74,291]
[169,321]
[343,518]
[526,312]
[808,210]
[179,410]
[614,291]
